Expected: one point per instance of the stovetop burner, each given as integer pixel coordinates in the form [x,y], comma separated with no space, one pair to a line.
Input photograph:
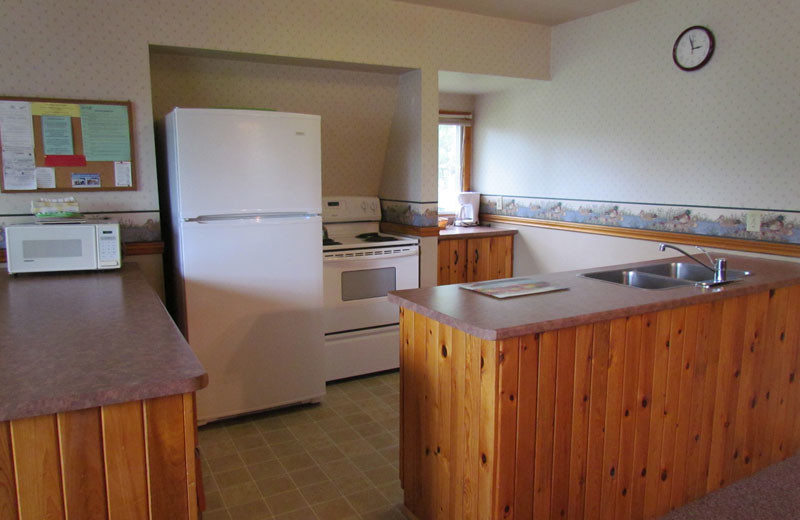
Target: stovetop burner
[340,236]
[375,237]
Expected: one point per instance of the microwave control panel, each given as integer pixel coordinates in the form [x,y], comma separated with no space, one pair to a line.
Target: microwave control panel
[109,254]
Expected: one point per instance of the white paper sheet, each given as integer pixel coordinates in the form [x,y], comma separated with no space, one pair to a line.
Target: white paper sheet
[16,125]
[45,177]
[18,170]
[122,174]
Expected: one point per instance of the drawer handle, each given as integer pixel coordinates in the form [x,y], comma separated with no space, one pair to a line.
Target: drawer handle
[476,256]
[455,253]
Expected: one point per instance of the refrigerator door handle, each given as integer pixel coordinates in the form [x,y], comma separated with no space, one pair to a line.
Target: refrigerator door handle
[201,219]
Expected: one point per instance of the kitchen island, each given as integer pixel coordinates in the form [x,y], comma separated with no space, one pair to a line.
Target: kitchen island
[599,401]
[96,400]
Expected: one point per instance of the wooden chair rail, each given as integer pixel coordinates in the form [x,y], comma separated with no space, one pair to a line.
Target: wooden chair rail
[735,244]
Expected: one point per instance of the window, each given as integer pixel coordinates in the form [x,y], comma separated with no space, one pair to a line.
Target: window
[455,138]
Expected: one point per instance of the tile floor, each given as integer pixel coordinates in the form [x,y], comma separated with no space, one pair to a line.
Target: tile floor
[335,460]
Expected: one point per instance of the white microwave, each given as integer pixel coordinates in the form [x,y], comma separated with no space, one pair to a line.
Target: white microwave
[37,248]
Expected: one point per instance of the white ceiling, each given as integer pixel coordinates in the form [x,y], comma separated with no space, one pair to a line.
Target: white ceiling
[544,12]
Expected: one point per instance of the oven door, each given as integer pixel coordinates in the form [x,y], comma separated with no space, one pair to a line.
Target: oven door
[356,284]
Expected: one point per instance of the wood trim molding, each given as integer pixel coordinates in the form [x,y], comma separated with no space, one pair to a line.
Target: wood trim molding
[405,229]
[128,249]
[142,248]
[466,159]
[454,113]
[735,244]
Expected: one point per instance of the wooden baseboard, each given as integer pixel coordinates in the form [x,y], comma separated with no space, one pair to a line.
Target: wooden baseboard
[735,244]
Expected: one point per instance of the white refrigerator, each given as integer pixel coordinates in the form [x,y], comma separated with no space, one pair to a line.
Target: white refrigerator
[246,247]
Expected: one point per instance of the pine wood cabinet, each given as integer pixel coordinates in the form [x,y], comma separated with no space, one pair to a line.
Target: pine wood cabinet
[133,460]
[475,259]
[97,417]
[597,402]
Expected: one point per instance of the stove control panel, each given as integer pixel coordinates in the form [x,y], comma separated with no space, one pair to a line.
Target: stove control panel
[351,209]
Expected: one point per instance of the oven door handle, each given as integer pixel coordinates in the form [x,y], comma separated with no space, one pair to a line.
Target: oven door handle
[369,257]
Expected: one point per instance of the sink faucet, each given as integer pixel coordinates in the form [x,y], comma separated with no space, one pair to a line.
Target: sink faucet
[720,267]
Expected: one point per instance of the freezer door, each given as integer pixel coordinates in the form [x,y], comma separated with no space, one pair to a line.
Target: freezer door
[253,312]
[245,161]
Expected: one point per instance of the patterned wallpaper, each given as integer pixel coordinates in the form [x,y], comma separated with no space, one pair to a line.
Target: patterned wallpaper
[619,122]
[99,50]
[404,154]
[356,107]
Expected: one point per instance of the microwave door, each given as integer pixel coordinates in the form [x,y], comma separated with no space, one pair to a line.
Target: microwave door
[50,248]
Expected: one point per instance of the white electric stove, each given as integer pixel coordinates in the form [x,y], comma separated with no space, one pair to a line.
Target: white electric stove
[360,266]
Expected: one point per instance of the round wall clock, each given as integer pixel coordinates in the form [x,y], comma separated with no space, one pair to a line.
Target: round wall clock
[693,48]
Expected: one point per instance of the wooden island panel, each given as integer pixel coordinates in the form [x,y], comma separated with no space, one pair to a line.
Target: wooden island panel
[120,461]
[625,418]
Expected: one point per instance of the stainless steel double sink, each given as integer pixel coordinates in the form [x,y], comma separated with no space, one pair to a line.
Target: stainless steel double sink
[665,276]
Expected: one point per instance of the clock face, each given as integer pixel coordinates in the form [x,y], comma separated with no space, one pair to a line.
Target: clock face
[693,48]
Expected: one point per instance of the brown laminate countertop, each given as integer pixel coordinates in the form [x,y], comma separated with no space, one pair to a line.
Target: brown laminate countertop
[454,232]
[586,301]
[80,340]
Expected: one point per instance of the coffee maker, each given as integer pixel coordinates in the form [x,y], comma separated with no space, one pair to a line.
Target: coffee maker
[468,207]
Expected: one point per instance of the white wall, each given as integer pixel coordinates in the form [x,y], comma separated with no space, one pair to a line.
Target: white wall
[620,122]
[540,250]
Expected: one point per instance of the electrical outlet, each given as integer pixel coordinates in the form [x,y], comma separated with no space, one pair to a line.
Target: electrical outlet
[754,221]
[499,203]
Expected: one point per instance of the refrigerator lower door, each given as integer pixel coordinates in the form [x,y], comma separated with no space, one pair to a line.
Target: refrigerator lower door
[253,293]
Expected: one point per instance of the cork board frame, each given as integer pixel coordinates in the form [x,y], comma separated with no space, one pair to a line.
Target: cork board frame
[63,174]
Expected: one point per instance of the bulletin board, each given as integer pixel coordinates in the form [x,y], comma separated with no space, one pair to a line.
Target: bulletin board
[76,145]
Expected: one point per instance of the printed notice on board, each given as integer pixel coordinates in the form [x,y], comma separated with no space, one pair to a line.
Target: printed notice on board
[45,177]
[85,180]
[16,132]
[122,174]
[16,125]
[42,108]
[18,169]
[106,133]
[57,135]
